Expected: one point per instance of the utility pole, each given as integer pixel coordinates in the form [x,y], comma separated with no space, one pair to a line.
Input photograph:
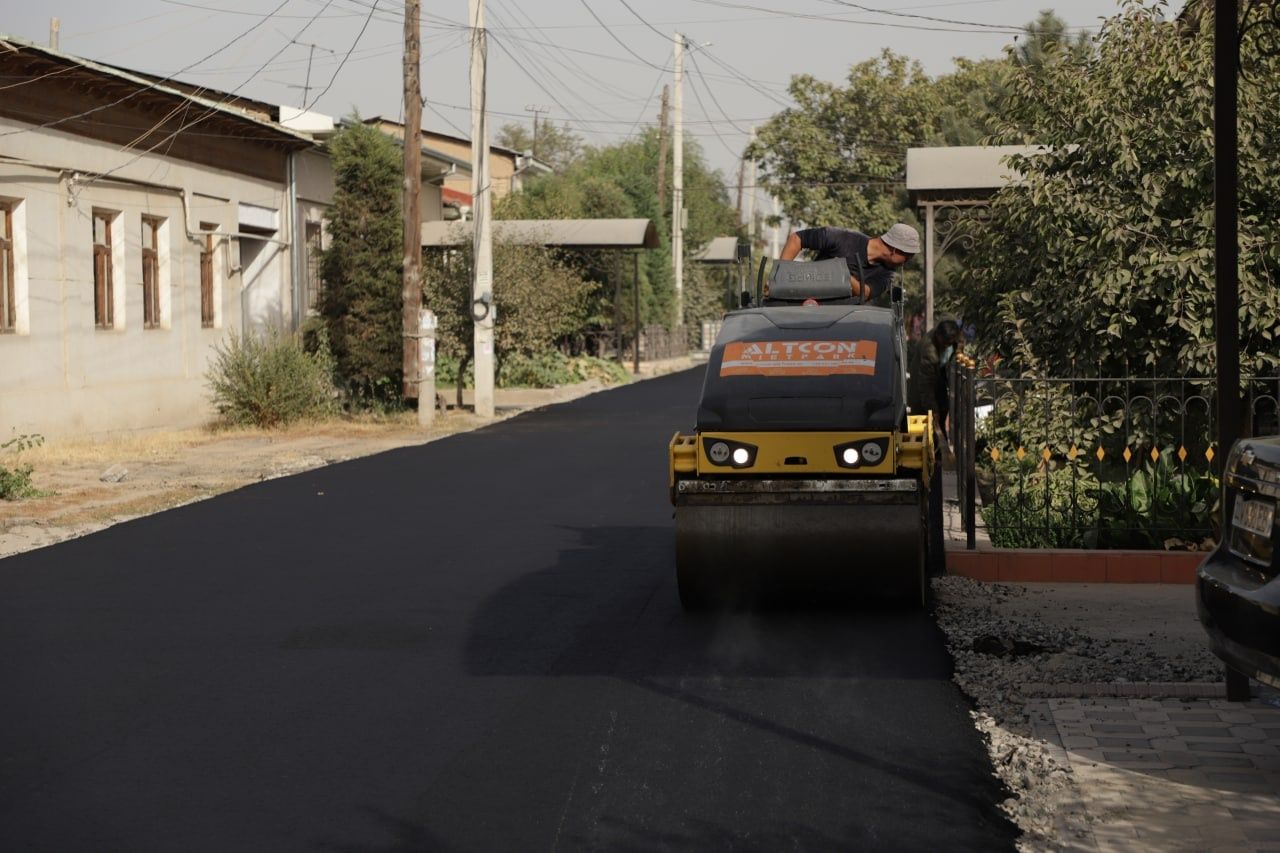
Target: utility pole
[663,140]
[750,198]
[54,26]
[536,109]
[742,180]
[677,188]
[411,295]
[482,308]
[777,229]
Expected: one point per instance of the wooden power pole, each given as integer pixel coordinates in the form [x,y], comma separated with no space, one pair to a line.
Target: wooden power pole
[663,139]
[412,292]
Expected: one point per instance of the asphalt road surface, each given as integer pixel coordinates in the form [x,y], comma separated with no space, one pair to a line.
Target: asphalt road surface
[474,644]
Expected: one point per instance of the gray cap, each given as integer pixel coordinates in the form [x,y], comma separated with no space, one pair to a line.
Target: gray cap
[902,237]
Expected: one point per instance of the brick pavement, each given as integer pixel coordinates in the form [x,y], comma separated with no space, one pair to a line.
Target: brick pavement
[1170,774]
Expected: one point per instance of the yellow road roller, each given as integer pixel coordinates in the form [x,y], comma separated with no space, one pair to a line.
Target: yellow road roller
[806,480]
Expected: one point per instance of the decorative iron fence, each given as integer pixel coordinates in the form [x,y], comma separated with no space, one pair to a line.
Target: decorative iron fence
[1093,462]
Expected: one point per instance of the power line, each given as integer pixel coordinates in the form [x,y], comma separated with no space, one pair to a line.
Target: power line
[693,57]
[355,42]
[715,130]
[614,36]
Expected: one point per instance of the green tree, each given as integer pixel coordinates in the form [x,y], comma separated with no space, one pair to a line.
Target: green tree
[556,146]
[1104,257]
[837,158]
[541,299]
[361,304]
[1046,41]
[620,181]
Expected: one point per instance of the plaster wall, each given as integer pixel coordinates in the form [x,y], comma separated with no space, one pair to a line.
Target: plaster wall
[62,375]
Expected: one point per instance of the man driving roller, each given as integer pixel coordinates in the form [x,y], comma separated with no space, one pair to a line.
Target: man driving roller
[874,259]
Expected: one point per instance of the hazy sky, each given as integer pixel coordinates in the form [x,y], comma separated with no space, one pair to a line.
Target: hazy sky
[605,81]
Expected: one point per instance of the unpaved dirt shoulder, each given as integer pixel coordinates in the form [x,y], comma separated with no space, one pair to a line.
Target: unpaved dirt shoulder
[168,469]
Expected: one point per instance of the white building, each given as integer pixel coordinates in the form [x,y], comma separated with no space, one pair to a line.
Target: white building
[141,222]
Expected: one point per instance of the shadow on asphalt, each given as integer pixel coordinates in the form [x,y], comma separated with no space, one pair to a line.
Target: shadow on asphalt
[599,611]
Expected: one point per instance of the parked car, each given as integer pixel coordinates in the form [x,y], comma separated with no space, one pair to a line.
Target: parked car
[1238,584]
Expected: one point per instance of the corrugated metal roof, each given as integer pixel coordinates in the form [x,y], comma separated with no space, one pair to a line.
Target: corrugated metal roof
[569,233]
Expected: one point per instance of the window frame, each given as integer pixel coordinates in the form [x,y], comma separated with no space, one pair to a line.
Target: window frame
[8,271]
[208,311]
[151,316]
[103,284]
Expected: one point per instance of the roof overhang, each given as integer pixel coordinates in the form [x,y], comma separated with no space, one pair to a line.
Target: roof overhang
[115,85]
[563,233]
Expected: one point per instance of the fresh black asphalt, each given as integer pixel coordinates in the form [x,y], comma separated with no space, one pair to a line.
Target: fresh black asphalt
[473,644]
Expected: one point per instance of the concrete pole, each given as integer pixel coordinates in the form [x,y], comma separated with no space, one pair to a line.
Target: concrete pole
[930,258]
[677,180]
[482,308]
[54,26]
[663,139]
[774,247]
[750,199]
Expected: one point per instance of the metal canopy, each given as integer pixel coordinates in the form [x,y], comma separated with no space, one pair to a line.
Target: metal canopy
[719,250]
[955,177]
[565,233]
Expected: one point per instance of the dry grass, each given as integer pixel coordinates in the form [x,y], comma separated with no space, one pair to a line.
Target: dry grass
[161,445]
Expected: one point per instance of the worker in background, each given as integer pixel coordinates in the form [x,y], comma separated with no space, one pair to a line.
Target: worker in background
[928,390]
[872,261]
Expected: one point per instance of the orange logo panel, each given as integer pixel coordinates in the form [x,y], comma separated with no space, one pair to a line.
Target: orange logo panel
[799,358]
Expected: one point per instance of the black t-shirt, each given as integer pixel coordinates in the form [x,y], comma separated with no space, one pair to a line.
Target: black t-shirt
[851,246]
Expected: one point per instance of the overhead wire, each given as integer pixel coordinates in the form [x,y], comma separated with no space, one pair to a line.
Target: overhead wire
[614,36]
[208,111]
[538,62]
[355,41]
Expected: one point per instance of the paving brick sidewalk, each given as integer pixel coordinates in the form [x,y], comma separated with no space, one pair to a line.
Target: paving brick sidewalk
[1170,774]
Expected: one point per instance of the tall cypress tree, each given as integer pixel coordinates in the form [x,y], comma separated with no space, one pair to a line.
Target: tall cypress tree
[362,265]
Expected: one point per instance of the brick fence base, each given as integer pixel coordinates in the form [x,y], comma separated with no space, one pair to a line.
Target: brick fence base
[1076,566]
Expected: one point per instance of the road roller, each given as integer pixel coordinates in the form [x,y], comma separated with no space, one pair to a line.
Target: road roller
[806,479]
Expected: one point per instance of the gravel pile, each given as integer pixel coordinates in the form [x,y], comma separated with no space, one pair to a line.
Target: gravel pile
[1011,646]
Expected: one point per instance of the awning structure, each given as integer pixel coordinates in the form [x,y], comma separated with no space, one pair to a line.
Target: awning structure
[564,233]
[948,179]
[721,250]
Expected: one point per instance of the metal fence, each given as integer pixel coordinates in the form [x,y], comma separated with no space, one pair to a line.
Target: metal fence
[1093,462]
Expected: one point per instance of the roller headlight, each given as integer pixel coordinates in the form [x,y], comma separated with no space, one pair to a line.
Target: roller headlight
[729,453]
[862,453]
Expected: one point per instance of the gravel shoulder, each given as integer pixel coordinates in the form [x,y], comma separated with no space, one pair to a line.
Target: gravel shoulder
[1079,690]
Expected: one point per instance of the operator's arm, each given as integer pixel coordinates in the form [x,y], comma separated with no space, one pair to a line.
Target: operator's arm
[791,249]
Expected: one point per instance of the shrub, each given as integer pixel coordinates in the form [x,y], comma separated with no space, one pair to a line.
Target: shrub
[15,482]
[270,380]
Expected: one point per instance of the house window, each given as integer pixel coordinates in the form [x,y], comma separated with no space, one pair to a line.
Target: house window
[8,290]
[208,315]
[103,293]
[315,284]
[151,272]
